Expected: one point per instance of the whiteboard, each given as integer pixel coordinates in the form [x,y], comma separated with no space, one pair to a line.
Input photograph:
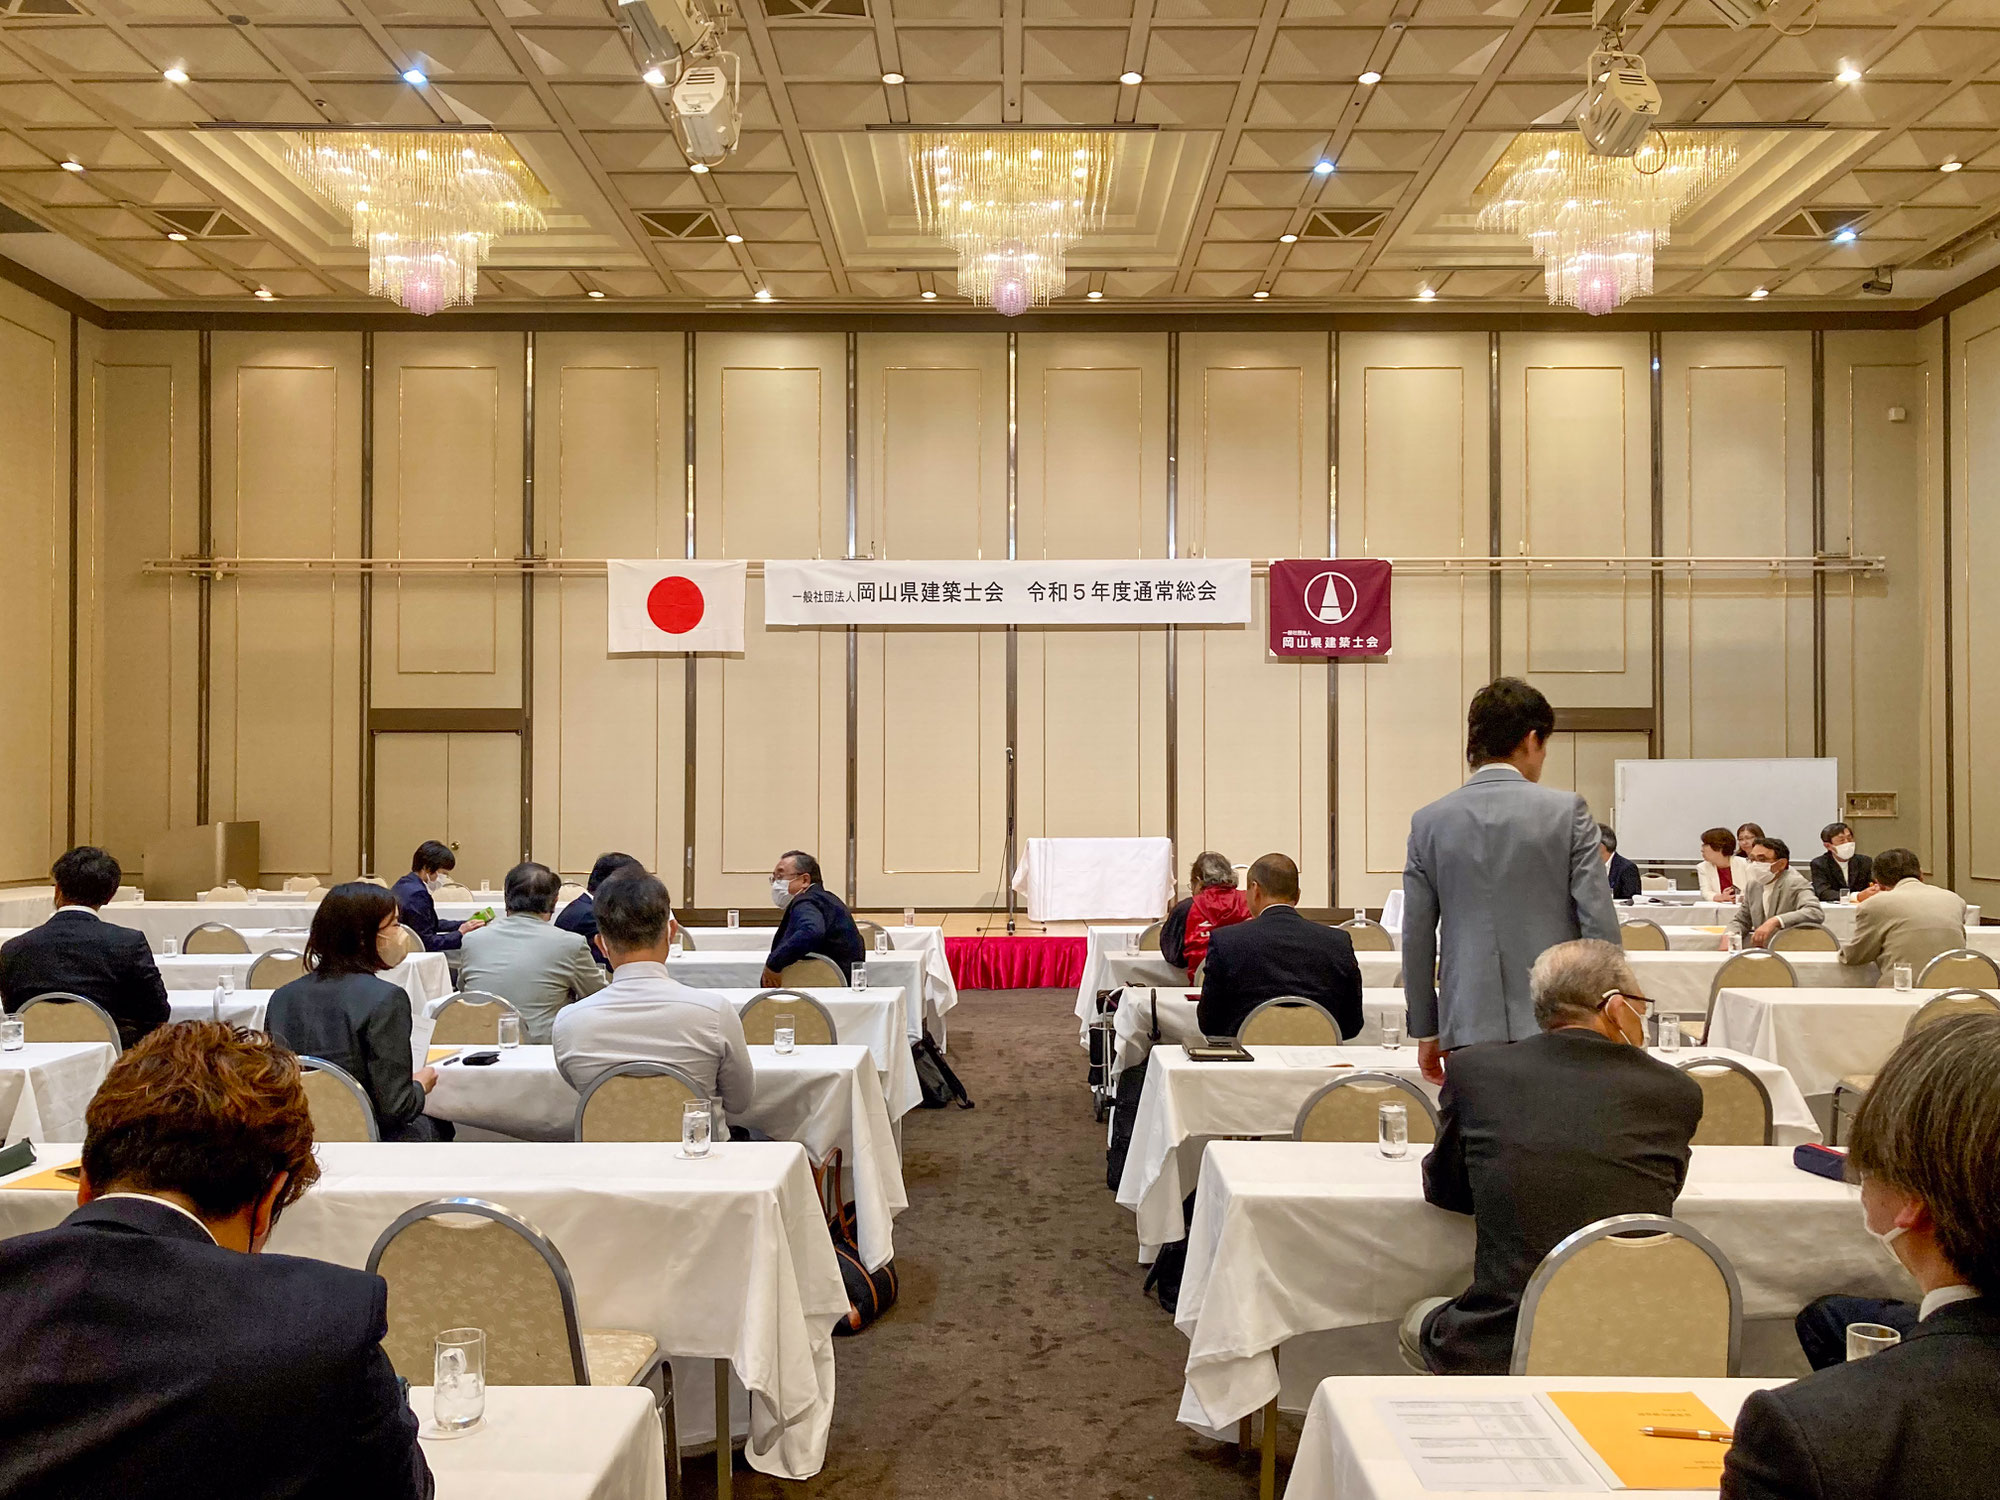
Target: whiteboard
[1662,807]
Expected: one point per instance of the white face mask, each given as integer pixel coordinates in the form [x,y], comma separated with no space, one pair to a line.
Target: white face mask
[781,895]
[1759,872]
[1886,1238]
[1843,852]
[437,882]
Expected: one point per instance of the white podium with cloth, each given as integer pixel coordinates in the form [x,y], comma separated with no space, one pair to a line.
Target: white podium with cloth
[1083,880]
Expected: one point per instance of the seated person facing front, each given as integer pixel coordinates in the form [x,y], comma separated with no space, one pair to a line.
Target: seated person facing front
[79,953]
[524,960]
[1620,871]
[815,920]
[580,916]
[1904,921]
[1277,952]
[428,868]
[1723,871]
[152,1352]
[343,1011]
[1920,1421]
[1840,871]
[644,1016]
[1541,1137]
[1215,903]
[1777,896]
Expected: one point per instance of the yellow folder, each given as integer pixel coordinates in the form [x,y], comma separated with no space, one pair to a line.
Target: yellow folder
[1610,1421]
[439,1054]
[46,1181]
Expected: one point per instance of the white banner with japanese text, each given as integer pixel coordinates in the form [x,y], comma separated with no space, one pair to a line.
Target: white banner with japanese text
[1134,591]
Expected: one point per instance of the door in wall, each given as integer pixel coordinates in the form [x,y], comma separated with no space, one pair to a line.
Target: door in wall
[461,789]
[1581,760]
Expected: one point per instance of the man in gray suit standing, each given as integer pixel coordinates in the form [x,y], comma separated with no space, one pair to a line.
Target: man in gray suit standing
[1497,871]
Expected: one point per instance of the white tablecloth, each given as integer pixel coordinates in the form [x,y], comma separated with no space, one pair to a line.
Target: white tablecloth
[940,992]
[1078,880]
[727,1257]
[1187,1104]
[26,906]
[260,939]
[1678,982]
[424,977]
[899,972]
[160,920]
[560,1442]
[1347,1451]
[1177,1011]
[821,1097]
[46,1086]
[1108,967]
[1294,1237]
[1839,916]
[1819,1036]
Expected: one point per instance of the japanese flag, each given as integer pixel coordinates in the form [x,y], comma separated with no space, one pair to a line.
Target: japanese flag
[676,606]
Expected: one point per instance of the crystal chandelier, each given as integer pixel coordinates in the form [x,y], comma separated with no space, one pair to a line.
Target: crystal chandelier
[427,204]
[1012,202]
[1595,221]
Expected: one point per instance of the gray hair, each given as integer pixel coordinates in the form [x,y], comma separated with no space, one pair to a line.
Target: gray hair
[1569,980]
[1212,869]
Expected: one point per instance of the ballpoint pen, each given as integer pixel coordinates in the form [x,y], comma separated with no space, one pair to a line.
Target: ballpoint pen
[1695,1434]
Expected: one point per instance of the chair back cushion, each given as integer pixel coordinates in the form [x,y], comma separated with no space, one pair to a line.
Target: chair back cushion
[215,937]
[1351,1112]
[1804,940]
[1290,1024]
[279,966]
[1149,937]
[67,1021]
[635,1108]
[813,972]
[1734,1111]
[1963,969]
[339,1111]
[1641,936]
[1649,1305]
[463,1271]
[1369,937]
[1752,971]
[469,1022]
[811,1025]
[1944,1007]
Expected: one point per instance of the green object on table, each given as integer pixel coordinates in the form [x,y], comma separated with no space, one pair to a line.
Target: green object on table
[484,914]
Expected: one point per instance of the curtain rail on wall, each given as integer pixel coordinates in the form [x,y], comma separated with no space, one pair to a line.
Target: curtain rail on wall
[580,567]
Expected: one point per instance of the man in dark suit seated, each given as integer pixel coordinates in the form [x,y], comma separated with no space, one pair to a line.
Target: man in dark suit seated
[1841,871]
[815,920]
[1541,1137]
[78,952]
[1277,952]
[428,868]
[1920,1421]
[151,1350]
[580,916]
[1620,871]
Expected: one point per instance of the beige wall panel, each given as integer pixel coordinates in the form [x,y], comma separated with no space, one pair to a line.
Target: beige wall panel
[411,776]
[1979,857]
[1575,452]
[1738,482]
[1414,454]
[1253,730]
[1092,464]
[448,484]
[34,595]
[448,787]
[285,694]
[1584,763]
[610,731]
[771,724]
[931,705]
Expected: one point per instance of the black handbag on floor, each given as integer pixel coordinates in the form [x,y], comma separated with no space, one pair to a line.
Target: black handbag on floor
[935,1077]
[869,1293]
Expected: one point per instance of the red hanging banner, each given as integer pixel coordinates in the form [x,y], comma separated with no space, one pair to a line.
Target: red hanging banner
[1332,607]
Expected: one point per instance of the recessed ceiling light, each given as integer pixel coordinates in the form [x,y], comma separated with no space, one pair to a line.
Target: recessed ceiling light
[656,76]
[72,166]
[1260,295]
[733,239]
[264,294]
[763,294]
[414,77]
[1131,80]
[1843,237]
[697,167]
[175,234]
[594,295]
[1760,294]
[1950,166]
[175,75]
[930,296]
[1848,74]
[1426,294]
[892,79]
[1322,166]
[1371,77]
[1288,239]
[1095,296]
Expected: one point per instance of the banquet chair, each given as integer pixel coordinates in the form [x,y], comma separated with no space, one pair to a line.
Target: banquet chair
[1149,937]
[230,892]
[812,1023]
[634,1101]
[1637,935]
[214,937]
[688,944]
[1367,936]
[456,892]
[60,1016]
[469,1018]
[373,880]
[869,931]
[1634,1295]
[1752,969]
[279,966]
[1348,1109]
[1804,940]
[340,1107]
[403,943]
[298,884]
[468,1263]
[1289,1021]
[567,892]
[1962,968]
[1960,1002]
[1735,1105]
[813,972]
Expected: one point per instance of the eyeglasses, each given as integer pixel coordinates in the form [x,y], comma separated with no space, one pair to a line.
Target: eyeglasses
[1641,1006]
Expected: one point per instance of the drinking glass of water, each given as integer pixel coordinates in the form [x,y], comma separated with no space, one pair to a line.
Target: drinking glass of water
[860,980]
[881,940]
[510,1032]
[1669,1032]
[697,1126]
[1392,1131]
[170,946]
[215,1001]
[735,917]
[458,1381]
[1392,1035]
[1864,1339]
[1905,979]
[13,1034]
[676,948]
[1735,942]
[785,1032]
[909,916]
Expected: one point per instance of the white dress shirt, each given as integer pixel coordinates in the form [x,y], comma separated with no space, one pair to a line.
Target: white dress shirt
[1944,1296]
[192,1218]
[643,1016]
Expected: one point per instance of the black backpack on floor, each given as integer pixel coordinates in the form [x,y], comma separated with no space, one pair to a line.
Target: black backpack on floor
[935,1077]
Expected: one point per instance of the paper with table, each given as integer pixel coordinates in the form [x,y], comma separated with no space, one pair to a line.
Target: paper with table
[1487,1445]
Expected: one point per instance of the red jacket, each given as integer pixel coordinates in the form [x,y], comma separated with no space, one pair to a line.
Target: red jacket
[1214,906]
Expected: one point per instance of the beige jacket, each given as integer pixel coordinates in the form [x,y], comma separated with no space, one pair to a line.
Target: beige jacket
[1789,898]
[1910,923]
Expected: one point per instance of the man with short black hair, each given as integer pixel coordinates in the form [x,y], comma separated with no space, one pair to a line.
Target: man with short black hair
[1775,897]
[77,952]
[1539,1138]
[1840,871]
[522,958]
[1903,921]
[152,1351]
[1277,952]
[580,916]
[815,922]
[1920,1421]
[429,866]
[1497,871]
[1620,871]
[645,1016]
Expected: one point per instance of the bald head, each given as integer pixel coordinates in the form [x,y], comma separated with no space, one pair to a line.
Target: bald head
[1273,881]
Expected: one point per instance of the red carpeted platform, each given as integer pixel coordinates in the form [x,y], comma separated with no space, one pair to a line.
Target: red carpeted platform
[1019,962]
